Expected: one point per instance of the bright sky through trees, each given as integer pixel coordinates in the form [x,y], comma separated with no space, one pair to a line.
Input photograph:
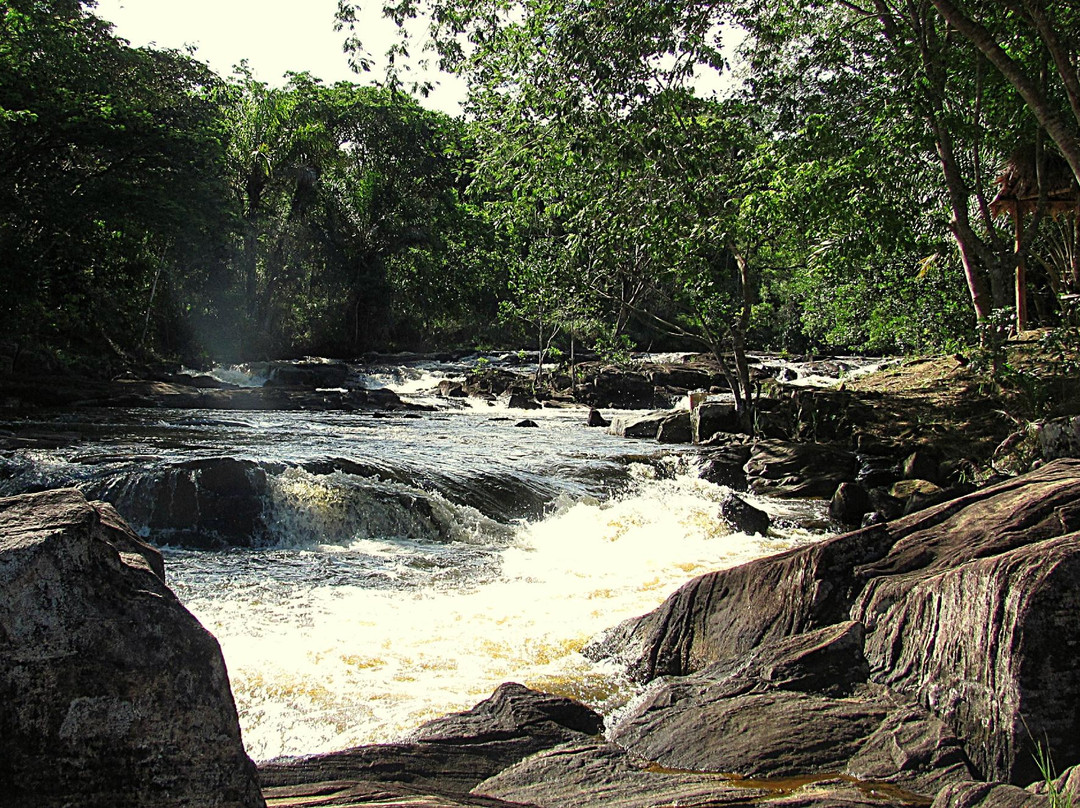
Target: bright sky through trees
[275,36]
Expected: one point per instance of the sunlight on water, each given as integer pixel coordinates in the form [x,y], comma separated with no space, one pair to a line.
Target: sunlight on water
[321,666]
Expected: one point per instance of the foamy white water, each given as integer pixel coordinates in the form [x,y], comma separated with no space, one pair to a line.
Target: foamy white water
[322,666]
[404,567]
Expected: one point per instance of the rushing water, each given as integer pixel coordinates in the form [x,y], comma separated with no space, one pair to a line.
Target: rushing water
[405,566]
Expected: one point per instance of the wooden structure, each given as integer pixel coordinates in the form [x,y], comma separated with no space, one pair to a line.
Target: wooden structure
[1025,187]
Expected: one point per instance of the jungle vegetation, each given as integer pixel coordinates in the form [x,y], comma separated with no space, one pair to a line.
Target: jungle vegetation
[802,175]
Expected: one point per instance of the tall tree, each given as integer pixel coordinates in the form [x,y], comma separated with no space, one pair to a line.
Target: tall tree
[109,173]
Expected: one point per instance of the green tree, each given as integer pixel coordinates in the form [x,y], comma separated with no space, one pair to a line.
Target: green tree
[109,178]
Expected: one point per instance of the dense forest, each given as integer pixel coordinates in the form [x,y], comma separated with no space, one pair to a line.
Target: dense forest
[875,175]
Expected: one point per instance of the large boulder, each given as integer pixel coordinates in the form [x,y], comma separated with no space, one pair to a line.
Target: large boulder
[675,428]
[638,426]
[781,469]
[112,692]
[712,418]
[205,503]
[972,608]
[983,644]
[310,375]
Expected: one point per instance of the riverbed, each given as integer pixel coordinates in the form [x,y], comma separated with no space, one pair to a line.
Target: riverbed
[407,564]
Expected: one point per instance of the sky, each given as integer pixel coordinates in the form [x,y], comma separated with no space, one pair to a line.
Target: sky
[275,36]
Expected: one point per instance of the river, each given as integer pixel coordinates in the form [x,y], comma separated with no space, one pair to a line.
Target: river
[407,564]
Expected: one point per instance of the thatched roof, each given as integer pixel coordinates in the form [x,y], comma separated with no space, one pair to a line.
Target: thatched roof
[1019,184]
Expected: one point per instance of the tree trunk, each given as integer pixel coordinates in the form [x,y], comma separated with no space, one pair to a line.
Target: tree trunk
[1021,272]
[1065,136]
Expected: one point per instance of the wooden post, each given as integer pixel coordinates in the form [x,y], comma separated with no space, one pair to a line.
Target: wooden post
[1021,271]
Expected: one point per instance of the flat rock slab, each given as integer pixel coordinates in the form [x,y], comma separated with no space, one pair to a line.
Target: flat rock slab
[803,470]
[795,707]
[346,794]
[598,775]
[605,776]
[452,754]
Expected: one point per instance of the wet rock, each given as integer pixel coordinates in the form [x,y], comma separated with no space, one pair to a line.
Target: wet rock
[781,469]
[528,422]
[519,400]
[206,503]
[638,426]
[796,707]
[711,418]
[310,375]
[596,419]
[691,724]
[112,692]
[849,504]
[451,755]
[725,464]
[744,517]
[725,614]
[675,428]
[490,382]
[875,471]
[452,389]
[355,794]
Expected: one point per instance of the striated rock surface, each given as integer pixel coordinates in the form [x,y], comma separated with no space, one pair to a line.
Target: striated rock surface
[989,795]
[450,755]
[792,708]
[597,774]
[971,607]
[111,693]
[781,469]
[990,646]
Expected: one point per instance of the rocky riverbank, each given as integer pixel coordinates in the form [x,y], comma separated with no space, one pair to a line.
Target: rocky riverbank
[913,662]
[926,658]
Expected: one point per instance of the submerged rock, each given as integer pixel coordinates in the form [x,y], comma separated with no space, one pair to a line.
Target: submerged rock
[596,419]
[111,692]
[744,517]
[206,503]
